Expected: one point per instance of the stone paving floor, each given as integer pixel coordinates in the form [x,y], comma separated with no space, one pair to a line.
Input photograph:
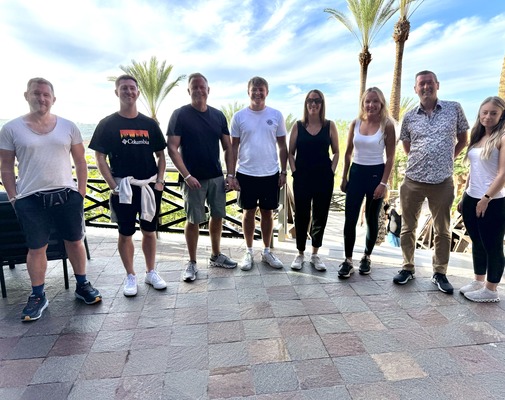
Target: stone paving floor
[263,334]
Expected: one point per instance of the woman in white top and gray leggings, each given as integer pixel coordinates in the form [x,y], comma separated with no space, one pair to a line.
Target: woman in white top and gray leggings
[483,204]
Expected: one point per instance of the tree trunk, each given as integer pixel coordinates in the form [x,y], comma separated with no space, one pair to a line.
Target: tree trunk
[400,36]
[365,58]
[501,89]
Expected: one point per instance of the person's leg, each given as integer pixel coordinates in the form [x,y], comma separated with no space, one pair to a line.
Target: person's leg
[248,225]
[266,226]
[470,220]
[372,212]
[320,210]
[412,195]
[36,264]
[215,230]
[440,199]
[303,197]
[353,199]
[77,256]
[126,251]
[149,249]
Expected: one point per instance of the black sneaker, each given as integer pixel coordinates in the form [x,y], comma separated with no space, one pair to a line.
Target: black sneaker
[34,308]
[364,266]
[346,269]
[443,284]
[403,277]
[87,293]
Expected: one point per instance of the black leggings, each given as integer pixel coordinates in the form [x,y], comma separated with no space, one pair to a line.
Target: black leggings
[487,237]
[363,180]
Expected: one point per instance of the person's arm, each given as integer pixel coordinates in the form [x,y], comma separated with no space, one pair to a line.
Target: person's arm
[228,160]
[462,140]
[162,166]
[173,151]
[103,167]
[235,144]
[7,161]
[292,147]
[283,158]
[406,146]
[389,130]
[334,146]
[497,184]
[81,167]
[348,156]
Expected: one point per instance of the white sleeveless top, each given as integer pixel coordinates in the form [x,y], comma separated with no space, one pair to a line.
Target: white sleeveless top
[368,149]
[482,173]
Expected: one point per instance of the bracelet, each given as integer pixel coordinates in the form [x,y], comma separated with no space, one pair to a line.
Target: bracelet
[384,184]
[187,177]
[230,176]
[160,181]
[284,172]
[487,196]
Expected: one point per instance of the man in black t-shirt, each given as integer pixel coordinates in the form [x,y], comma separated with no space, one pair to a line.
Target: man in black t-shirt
[130,141]
[194,134]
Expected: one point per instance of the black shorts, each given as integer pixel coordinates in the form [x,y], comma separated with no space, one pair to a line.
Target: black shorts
[258,190]
[126,214]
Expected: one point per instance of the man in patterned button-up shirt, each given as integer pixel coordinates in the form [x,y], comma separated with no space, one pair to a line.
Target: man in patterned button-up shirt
[433,134]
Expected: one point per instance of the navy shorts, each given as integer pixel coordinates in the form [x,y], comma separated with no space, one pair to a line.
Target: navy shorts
[60,209]
[258,190]
[127,214]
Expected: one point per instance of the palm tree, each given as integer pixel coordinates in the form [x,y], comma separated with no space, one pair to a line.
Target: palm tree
[370,16]
[230,109]
[406,104]
[290,121]
[400,35]
[501,89]
[153,82]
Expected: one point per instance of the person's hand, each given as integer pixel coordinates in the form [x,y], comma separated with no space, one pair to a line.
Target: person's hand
[459,207]
[193,183]
[380,191]
[343,185]
[282,180]
[230,183]
[159,186]
[481,207]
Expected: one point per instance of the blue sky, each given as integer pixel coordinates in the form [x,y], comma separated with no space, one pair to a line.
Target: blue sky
[292,43]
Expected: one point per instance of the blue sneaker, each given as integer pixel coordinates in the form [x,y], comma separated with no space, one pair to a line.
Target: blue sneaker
[34,308]
[87,293]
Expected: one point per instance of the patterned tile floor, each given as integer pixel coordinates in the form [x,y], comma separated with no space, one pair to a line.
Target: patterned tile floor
[262,334]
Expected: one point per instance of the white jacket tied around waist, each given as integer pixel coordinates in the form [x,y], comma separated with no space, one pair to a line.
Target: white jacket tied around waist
[147,199]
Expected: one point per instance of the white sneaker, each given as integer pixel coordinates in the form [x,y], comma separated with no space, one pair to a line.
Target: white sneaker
[316,262]
[247,262]
[153,279]
[190,272]
[483,295]
[130,286]
[271,260]
[471,287]
[297,263]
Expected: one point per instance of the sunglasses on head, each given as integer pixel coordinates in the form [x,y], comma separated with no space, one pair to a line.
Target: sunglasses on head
[316,101]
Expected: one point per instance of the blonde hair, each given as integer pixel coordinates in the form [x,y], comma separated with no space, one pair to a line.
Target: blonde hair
[497,133]
[384,113]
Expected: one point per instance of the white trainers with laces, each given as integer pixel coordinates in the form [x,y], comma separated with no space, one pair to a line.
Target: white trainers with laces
[297,263]
[483,295]
[153,279]
[271,260]
[190,272]
[316,262]
[130,286]
[247,262]
[471,287]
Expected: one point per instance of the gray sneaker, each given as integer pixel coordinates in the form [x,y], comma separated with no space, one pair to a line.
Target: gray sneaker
[190,272]
[271,260]
[316,262]
[483,295]
[247,262]
[222,261]
[471,287]
[297,263]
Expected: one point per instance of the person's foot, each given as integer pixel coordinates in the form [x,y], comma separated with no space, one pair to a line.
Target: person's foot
[403,276]
[471,287]
[345,269]
[190,271]
[152,278]
[364,266]
[130,286]
[34,307]
[271,260]
[222,261]
[443,284]
[247,261]
[87,293]
[297,263]
[316,262]
[483,295]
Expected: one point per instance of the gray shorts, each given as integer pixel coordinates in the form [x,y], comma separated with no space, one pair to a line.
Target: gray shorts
[212,192]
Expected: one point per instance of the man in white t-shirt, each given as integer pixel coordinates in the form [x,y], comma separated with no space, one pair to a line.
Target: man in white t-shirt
[257,131]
